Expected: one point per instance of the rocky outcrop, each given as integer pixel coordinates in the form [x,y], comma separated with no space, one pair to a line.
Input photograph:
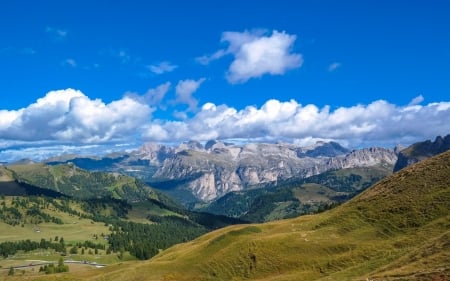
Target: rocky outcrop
[421,151]
[156,153]
[213,170]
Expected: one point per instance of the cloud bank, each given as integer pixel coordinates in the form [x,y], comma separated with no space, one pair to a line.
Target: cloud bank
[379,123]
[69,118]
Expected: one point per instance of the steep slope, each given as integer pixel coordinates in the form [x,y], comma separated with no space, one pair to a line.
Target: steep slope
[420,151]
[7,184]
[397,230]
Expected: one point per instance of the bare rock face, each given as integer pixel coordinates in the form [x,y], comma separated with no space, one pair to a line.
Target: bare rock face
[156,153]
[421,151]
[213,170]
[365,157]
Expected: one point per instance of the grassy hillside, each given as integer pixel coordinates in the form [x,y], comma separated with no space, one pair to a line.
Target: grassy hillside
[110,217]
[70,180]
[398,229]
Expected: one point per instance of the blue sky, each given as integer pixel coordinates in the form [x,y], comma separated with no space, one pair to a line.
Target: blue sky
[99,75]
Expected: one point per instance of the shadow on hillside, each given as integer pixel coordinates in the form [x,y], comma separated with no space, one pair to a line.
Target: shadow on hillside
[16,188]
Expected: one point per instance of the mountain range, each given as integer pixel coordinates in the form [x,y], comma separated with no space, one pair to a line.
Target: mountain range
[397,229]
[193,172]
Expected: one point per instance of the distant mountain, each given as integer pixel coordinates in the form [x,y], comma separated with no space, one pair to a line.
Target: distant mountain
[322,149]
[295,196]
[193,172]
[206,174]
[421,150]
[397,229]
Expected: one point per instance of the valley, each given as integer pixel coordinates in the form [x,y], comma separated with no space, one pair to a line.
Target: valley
[51,211]
[356,223]
[398,229]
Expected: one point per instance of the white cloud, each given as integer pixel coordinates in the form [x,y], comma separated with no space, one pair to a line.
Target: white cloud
[153,96]
[207,59]
[69,62]
[70,116]
[256,54]
[259,55]
[333,66]
[162,67]
[376,123]
[417,100]
[47,150]
[184,91]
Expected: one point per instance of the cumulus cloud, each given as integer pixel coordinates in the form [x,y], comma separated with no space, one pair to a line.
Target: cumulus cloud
[256,54]
[162,67]
[184,91]
[379,122]
[69,119]
[70,116]
[333,66]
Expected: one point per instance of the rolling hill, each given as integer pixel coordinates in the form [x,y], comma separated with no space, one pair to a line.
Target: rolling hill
[39,202]
[398,229]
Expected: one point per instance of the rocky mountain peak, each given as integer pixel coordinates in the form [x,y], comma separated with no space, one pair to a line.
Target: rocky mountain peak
[322,149]
[192,145]
[421,150]
[398,148]
[154,152]
[212,145]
